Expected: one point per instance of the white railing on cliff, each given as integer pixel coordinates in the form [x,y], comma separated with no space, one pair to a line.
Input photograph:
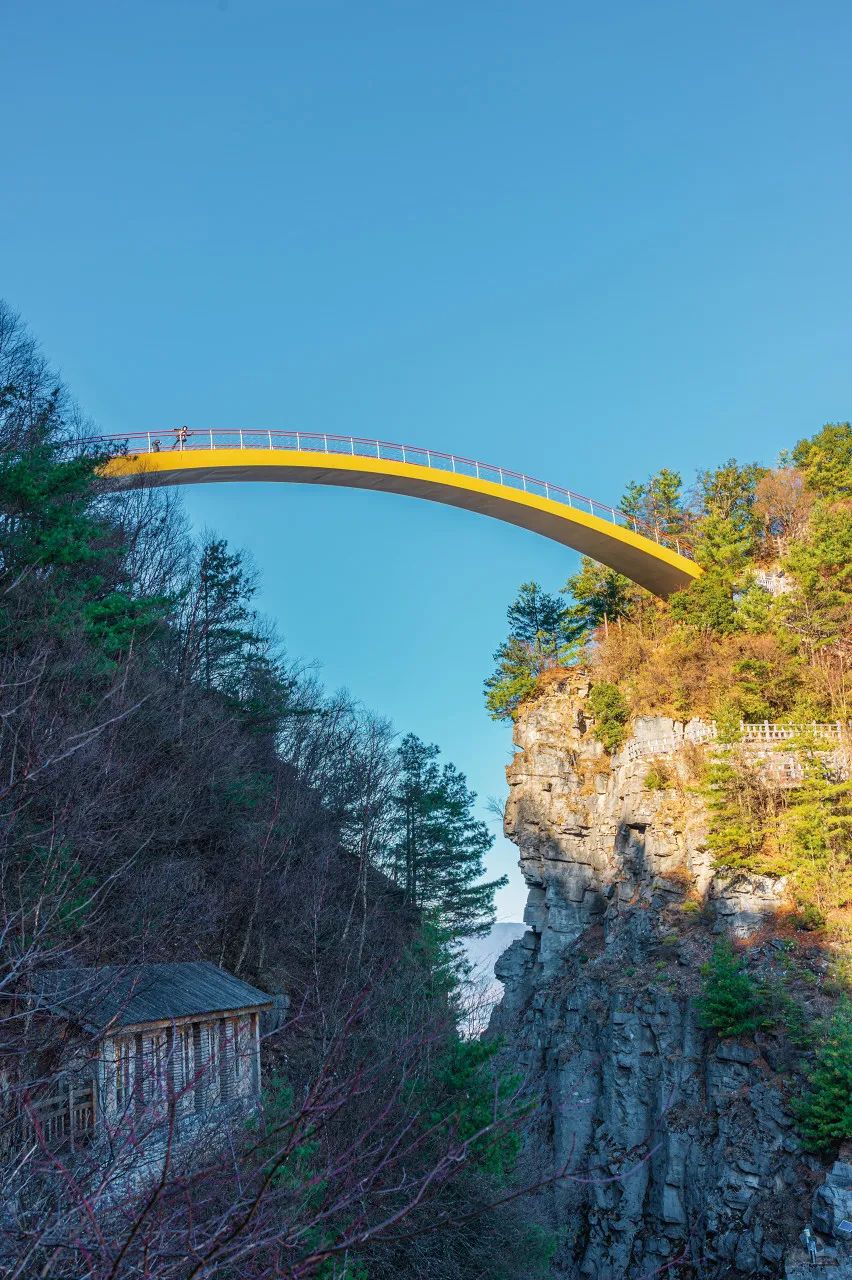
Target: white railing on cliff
[763,733]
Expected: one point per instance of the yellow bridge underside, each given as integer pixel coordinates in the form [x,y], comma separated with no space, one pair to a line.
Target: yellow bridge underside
[644,561]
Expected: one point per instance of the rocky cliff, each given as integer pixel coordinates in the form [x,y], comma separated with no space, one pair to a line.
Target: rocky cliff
[677,1146]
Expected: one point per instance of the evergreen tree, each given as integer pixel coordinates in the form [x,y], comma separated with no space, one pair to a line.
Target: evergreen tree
[541,635]
[723,545]
[728,493]
[753,609]
[740,806]
[730,1002]
[536,618]
[633,501]
[62,566]
[826,460]
[707,604]
[609,707]
[220,630]
[816,837]
[820,608]
[228,624]
[438,848]
[658,503]
[826,1111]
[600,596]
[515,678]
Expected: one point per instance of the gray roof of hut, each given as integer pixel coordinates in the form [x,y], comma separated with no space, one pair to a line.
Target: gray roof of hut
[126,995]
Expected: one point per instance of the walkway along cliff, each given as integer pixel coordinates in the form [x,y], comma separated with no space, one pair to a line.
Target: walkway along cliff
[681,1147]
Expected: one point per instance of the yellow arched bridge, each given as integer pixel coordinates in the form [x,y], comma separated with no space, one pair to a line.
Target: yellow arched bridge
[184,456]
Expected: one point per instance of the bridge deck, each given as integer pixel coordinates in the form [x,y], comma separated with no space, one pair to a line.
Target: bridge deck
[600,531]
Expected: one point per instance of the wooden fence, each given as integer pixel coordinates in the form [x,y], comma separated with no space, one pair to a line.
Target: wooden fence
[67,1115]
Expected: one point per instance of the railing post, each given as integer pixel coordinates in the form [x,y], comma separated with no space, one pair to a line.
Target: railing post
[524,478]
[269,433]
[352,445]
[547,490]
[476,464]
[298,442]
[149,441]
[212,445]
[403,453]
[429,458]
[325,442]
[453,461]
[500,470]
[242,446]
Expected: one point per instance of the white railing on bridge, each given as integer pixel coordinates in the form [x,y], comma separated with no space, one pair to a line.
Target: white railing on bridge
[184,438]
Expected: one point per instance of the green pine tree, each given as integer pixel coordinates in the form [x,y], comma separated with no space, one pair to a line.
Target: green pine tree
[727,493]
[609,707]
[725,532]
[228,623]
[753,609]
[730,1002]
[825,1113]
[708,604]
[657,504]
[600,597]
[816,837]
[438,850]
[540,636]
[819,609]
[62,567]
[826,460]
[736,802]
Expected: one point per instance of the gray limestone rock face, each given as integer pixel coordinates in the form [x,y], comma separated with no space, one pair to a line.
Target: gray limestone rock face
[833,1201]
[663,1144]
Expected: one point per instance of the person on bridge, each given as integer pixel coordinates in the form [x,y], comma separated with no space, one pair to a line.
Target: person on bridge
[181,437]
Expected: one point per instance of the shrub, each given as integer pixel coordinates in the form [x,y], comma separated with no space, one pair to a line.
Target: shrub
[808,917]
[729,1005]
[825,1113]
[609,707]
[657,778]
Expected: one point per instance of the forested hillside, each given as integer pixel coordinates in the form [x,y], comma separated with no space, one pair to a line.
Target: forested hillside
[174,787]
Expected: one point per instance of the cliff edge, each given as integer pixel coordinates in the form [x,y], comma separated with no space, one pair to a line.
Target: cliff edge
[678,1148]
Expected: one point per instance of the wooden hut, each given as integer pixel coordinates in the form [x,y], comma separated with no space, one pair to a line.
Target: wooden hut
[160,1041]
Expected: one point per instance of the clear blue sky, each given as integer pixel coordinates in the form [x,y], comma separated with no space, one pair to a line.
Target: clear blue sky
[579,240]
